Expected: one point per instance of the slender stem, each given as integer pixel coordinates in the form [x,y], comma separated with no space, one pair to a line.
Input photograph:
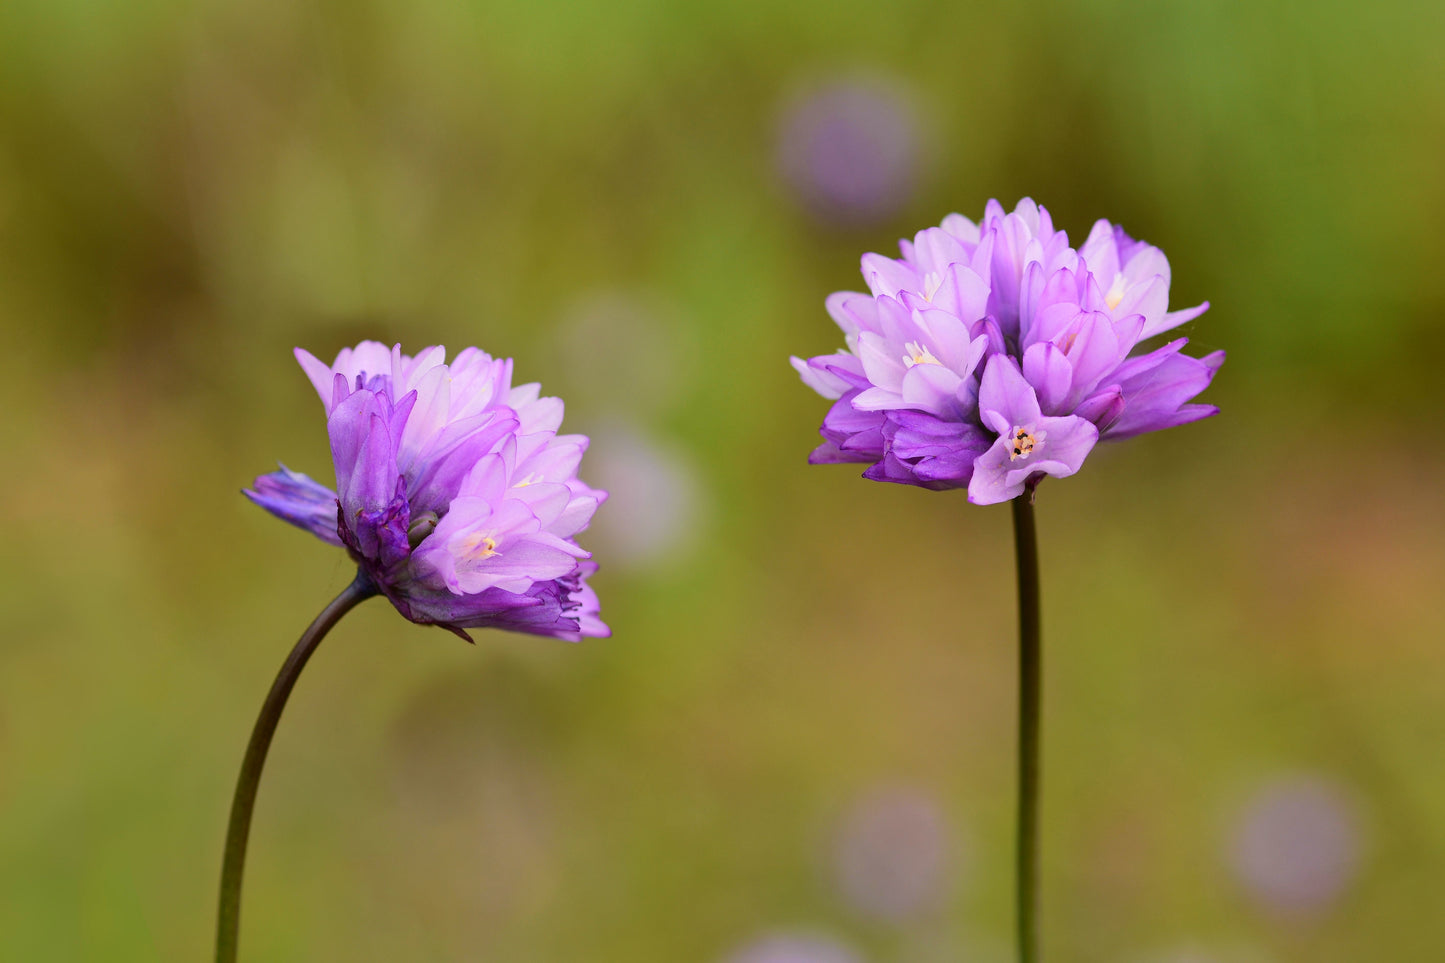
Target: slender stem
[229,920]
[1030,686]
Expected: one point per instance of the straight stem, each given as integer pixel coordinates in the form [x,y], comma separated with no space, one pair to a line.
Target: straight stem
[1030,690]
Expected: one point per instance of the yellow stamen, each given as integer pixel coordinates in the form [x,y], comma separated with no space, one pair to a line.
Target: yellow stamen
[1023,443]
[479,547]
[917,354]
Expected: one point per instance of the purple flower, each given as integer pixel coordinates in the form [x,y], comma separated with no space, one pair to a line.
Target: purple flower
[794,948]
[990,355]
[1028,443]
[1297,844]
[892,854]
[850,149]
[454,493]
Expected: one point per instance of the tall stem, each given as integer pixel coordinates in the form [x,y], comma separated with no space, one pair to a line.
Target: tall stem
[1030,686]
[229,919]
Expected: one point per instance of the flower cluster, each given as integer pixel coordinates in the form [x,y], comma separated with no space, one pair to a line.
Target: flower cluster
[454,493]
[993,354]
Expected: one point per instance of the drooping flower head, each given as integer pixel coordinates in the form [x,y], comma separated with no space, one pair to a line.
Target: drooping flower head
[454,493]
[990,355]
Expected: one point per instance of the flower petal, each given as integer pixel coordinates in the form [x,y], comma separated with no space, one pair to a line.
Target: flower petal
[1005,399]
[991,482]
[1067,442]
[295,498]
[1049,371]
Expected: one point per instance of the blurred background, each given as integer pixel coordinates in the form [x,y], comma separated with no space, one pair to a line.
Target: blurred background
[797,746]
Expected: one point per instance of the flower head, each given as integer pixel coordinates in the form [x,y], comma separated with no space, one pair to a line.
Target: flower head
[892,854]
[849,149]
[454,493]
[1296,845]
[990,355]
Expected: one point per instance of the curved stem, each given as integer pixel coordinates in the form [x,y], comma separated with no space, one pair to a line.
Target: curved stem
[1030,686]
[229,920]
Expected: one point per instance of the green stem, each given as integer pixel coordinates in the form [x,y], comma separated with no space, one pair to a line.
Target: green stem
[1030,686]
[229,919]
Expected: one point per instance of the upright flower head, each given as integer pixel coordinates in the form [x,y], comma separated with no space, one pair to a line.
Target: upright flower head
[454,493]
[990,355]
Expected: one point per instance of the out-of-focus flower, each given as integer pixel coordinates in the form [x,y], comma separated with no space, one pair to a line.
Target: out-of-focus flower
[849,149]
[794,948]
[993,354]
[1296,845]
[454,493]
[891,854]
[655,501]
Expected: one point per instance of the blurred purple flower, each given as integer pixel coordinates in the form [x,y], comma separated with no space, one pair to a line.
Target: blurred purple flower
[457,497]
[850,150]
[655,501]
[891,854]
[1296,845]
[993,354]
[794,948]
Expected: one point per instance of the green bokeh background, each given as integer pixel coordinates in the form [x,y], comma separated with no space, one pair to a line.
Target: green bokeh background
[188,189]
